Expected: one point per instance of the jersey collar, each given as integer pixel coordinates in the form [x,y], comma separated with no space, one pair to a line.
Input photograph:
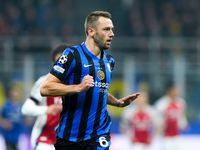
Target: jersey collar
[90,54]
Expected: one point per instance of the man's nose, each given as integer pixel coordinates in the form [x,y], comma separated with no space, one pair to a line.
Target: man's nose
[112,33]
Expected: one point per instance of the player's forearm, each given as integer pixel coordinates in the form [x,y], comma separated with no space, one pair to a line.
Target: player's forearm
[29,108]
[111,100]
[58,89]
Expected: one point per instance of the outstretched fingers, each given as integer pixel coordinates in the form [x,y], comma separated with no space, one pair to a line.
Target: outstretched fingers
[128,99]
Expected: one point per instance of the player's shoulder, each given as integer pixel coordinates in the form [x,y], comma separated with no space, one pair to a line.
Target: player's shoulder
[162,99]
[150,109]
[7,103]
[41,79]
[162,102]
[128,110]
[71,49]
[38,84]
[109,57]
[181,100]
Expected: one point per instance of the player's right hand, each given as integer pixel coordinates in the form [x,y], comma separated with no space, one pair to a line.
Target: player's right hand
[86,83]
[54,109]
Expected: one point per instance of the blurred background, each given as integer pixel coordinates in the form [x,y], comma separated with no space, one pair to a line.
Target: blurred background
[155,42]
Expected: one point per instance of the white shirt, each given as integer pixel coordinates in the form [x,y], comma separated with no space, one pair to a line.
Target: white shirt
[36,106]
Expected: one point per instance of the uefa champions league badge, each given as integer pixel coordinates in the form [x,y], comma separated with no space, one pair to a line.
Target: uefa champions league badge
[62,59]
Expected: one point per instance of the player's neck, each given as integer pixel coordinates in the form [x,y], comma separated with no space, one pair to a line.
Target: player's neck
[172,97]
[140,107]
[92,47]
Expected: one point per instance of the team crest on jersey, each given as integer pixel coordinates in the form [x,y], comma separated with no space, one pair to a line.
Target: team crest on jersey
[62,59]
[101,75]
[109,67]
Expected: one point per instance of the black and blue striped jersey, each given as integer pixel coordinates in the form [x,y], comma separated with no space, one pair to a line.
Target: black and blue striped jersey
[84,115]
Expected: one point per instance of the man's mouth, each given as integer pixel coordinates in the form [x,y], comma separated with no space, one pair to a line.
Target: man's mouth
[109,41]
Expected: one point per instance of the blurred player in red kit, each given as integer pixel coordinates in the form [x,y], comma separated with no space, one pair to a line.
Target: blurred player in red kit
[140,123]
[172,109]
[45,109]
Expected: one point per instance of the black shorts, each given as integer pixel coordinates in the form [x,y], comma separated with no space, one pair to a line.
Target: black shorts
[101,142]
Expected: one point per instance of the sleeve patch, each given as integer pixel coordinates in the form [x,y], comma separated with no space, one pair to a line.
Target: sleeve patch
[62,59]
[59,69]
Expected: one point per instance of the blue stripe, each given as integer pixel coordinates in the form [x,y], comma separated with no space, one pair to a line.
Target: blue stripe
[62,128]
[77,119]
[92,114]
[81,100]
[71,67]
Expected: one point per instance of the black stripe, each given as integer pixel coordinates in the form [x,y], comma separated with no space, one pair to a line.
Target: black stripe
[66,65]
[74,98]
[34,99]
[108,121]
[100,102]
[112,63]
[108,57]
[105,117]
[88,101]
[65,105]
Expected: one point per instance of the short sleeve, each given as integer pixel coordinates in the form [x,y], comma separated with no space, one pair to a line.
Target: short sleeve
[126,115]
[111,61]
[157,118]
[64,65]
[35,91]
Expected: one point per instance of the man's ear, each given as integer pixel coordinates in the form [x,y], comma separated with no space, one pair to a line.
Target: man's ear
[91,31]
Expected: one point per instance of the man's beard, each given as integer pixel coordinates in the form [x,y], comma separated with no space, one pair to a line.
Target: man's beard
[99,42]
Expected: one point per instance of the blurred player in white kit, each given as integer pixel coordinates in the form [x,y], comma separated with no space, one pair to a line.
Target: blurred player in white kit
[172,109]
[140,123]
[45,109]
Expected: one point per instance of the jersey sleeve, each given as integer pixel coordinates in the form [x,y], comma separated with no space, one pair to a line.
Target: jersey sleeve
[64,65]
[30,108]
[183,122]
[35,91]
[112,64]
[111,60]
[157,118]
[125,119]
[161,104]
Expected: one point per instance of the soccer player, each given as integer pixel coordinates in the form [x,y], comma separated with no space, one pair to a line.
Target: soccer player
[140,123]
[172,109]
[45,109]
[11,119]
[82,75]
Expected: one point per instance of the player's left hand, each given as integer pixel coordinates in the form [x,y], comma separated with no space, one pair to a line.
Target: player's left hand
[54,109]
[127,100]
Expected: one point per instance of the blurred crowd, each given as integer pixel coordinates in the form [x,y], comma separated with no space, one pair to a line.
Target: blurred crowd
[35,18]
[165,18]
[145,18]
[14,127]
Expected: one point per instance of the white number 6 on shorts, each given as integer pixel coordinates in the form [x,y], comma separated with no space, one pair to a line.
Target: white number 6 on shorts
[103,142]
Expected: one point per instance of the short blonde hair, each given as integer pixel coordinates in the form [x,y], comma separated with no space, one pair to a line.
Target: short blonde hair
[93,17]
